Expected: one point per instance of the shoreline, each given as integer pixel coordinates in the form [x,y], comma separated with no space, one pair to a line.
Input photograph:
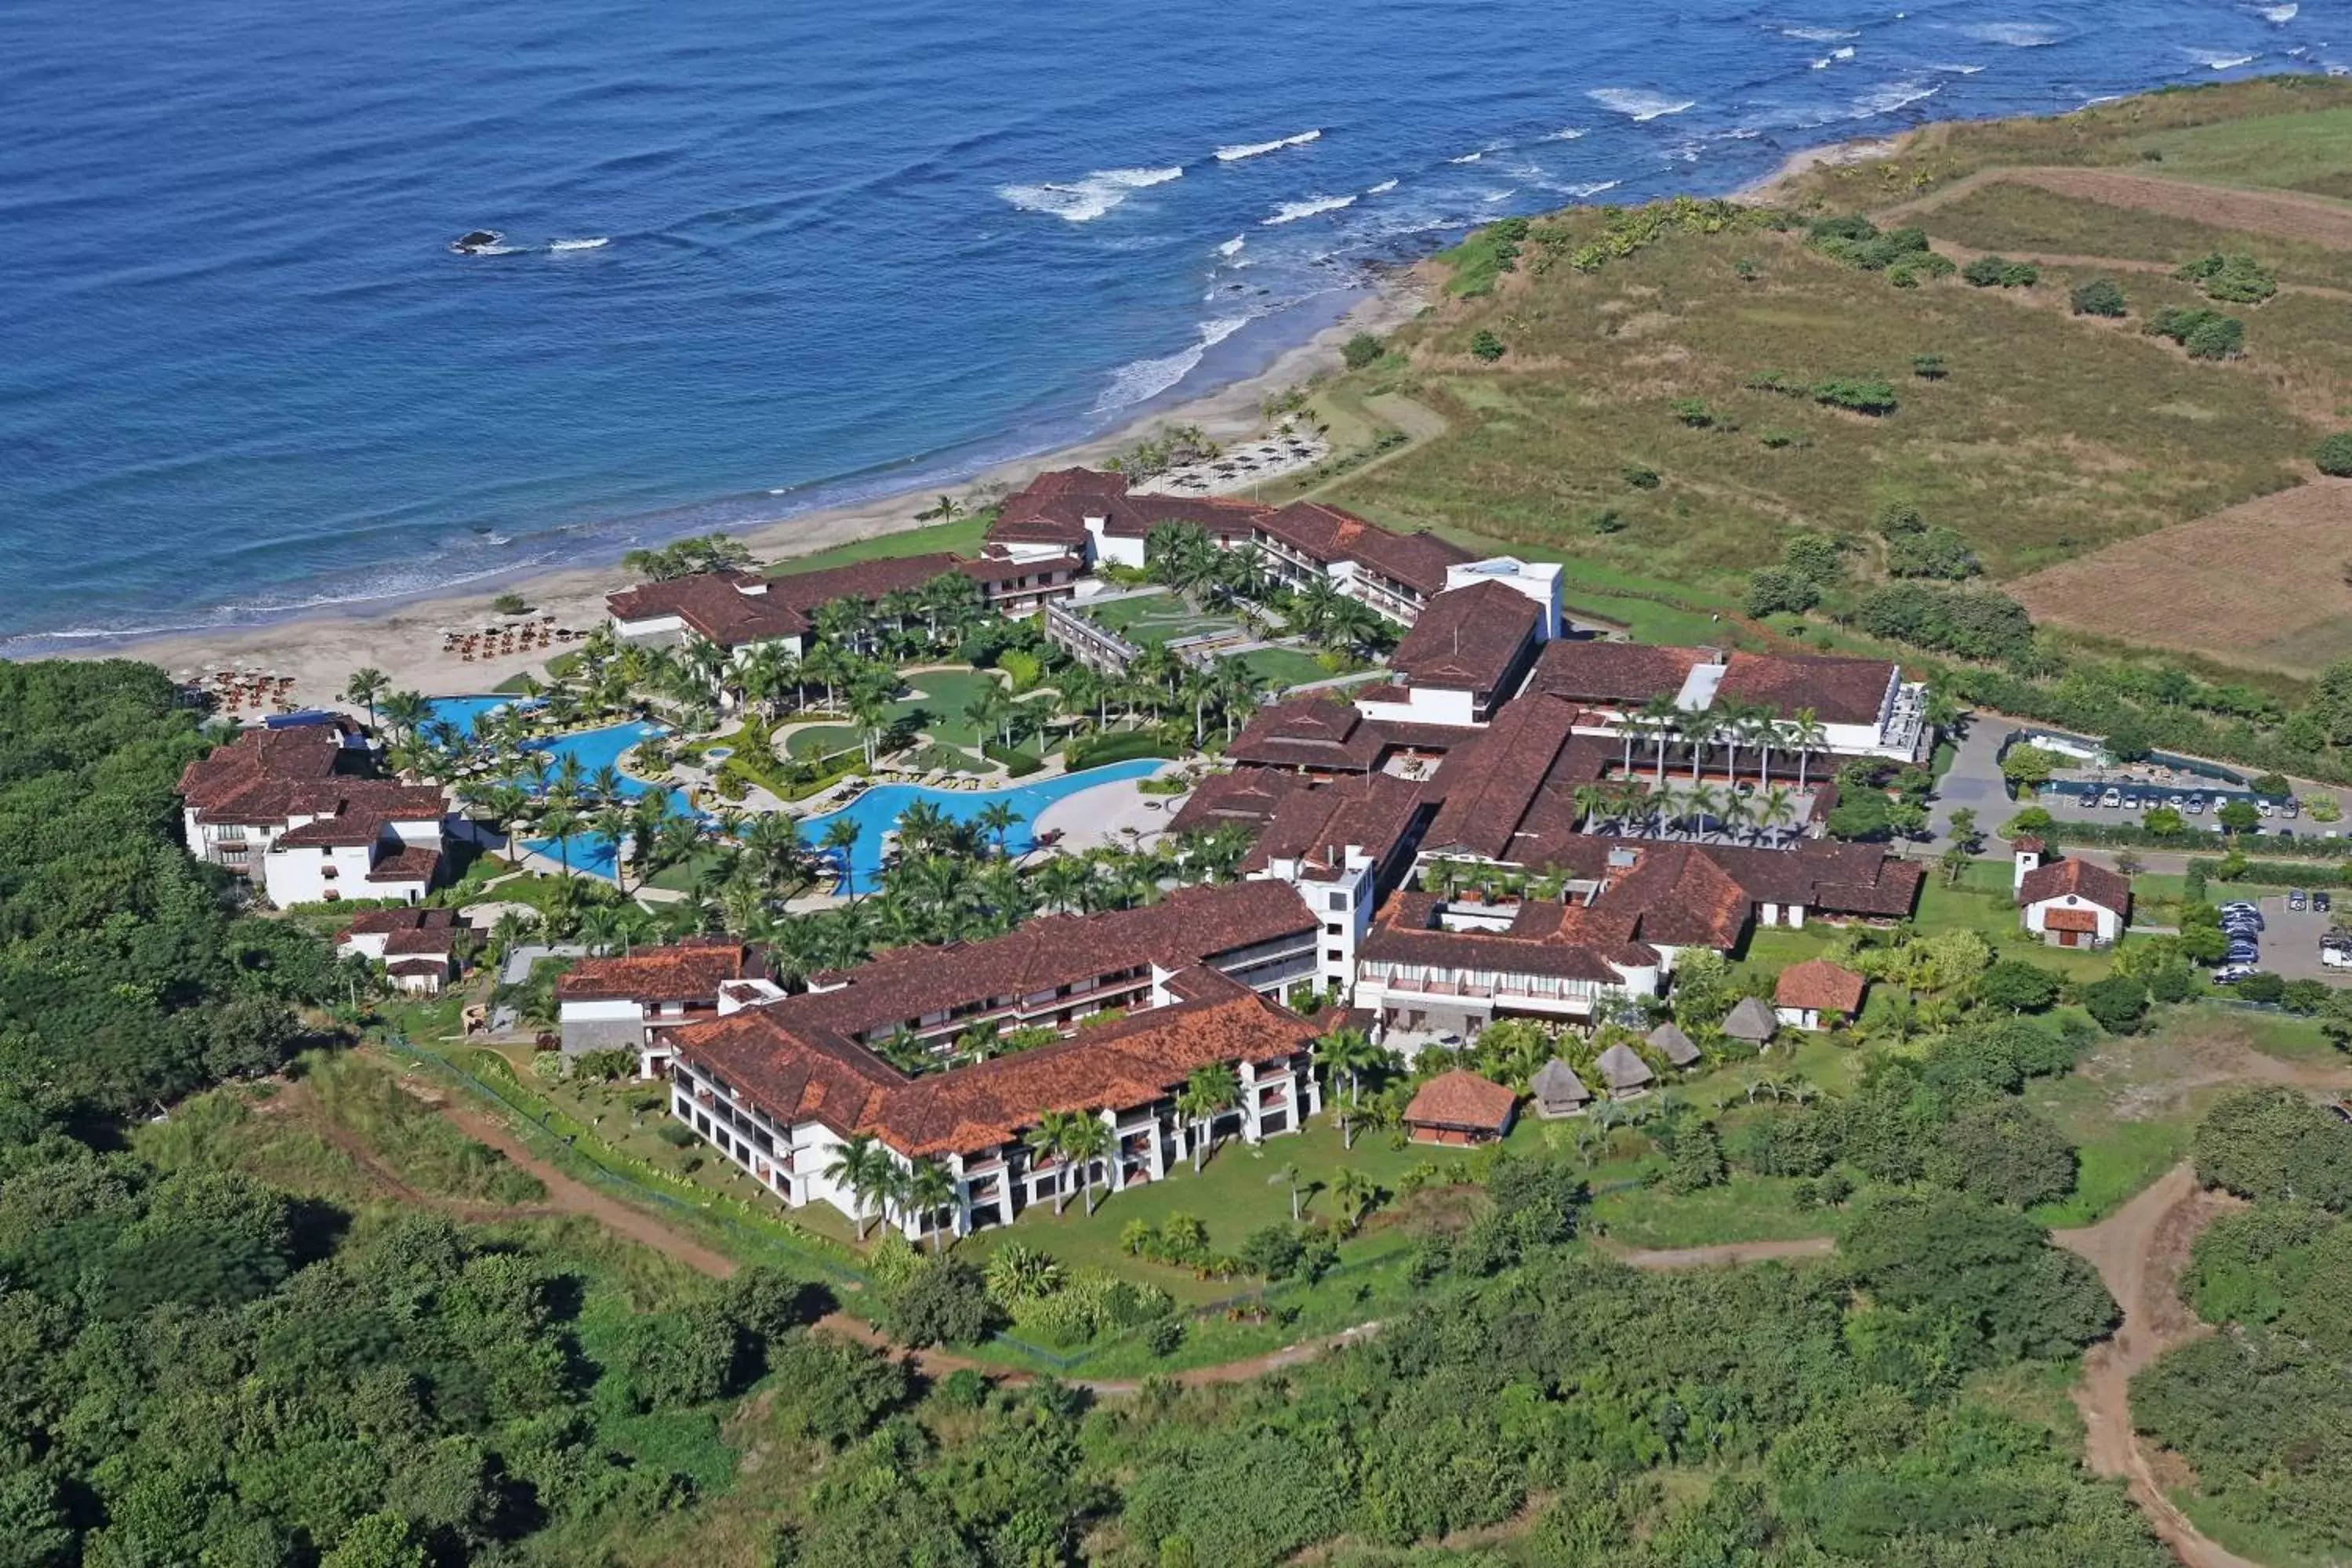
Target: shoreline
[401,636]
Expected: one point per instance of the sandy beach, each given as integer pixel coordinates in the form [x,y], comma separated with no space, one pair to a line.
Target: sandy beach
[403,637]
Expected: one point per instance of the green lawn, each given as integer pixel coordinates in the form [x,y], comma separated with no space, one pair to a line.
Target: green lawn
[964,537]
[822,740]
[2309,152]
[1153,620]
[1284,667]
[1983,902]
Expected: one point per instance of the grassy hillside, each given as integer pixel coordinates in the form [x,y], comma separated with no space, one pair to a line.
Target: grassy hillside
[1651,412]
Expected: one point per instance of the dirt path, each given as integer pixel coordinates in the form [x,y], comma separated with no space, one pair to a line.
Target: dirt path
[2278,213]
[2139,1250]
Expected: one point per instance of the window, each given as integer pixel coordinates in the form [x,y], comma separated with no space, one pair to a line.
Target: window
[1338,903]
[1334,955]
[1333,927]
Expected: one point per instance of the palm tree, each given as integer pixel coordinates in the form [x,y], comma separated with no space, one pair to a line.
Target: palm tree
[1349,1052]
[998,818]
[406,711]
[1289,1176]
[1353,1191]
[365,687]
[1018,1272]
[1661,720]
[989,710]
[1089,1141]
[1806,735]
[1698,728]
[1049,1141]
[840,840]
[559,823]
[929,1190]
[861,1165]
[1701,802]
[1207,1094]
[1736,813]
[1591,800]
[1775,808]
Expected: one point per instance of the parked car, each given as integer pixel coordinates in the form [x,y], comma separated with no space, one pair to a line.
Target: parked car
[2240,925]
[2266,807]
[2323,903]
[2291,809]
[2113,797]
[2176,801]
[2296,900]
[2244,907]
[2196,805]
[2231,973]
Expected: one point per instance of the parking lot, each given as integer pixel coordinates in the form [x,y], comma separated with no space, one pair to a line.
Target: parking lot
[2085,800]
[2290,938]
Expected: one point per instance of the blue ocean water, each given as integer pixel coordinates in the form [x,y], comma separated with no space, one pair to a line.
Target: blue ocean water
[843,248]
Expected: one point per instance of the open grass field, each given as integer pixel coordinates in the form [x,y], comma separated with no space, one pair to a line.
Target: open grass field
[2262,584]
[2102,213]
[2049,437]
[964,537]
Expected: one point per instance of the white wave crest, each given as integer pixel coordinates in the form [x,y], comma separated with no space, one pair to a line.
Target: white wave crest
[1585,192]
[1817,35]
[1146,378]
[1259,149]
[1895,95]
[1566,133]
[1232,247]
[1291,212]
[2279,16]
[1083,201]
[1493,198]
[1467,158]
[1383,188]
[2016,35]
[599,243]
[1637,105]
[2213,59]
[1957,71]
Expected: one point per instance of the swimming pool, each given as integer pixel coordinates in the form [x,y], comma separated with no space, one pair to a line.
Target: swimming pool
[877,812]
[600,747]
[461,711]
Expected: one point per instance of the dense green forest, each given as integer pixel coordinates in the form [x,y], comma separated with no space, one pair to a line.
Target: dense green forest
[199,1366]
[2259,1410]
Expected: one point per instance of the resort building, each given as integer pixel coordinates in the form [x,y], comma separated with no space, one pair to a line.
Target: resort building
[2069,903]
[1082,511]
[1817,994]
[418,948]
[1343,849]
[1465,657]
[293,810]
[1822,705]
[742,610]
[781,1090]
[1326,738]
[1460,1109]
[1558,1091]
[634,1002]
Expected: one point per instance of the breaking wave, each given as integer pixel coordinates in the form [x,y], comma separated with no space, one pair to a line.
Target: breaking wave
[1566,133]
[1232,247]
[599,243]
[1259,149]
[2016,35]
[1146,378]
[1083,201]
[2213,59]
[1383,188]
[1817,35]
[1895,95]
[2279,15]
[1291,212]
[1637,105]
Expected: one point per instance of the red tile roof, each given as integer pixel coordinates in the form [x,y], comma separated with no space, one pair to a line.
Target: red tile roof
[1469,639]
[410,863]
[1838,690]
[2071,919]
[1461,1099]
[1374,813]
[1617,673]
[1327,534]
[269,776]
[690,971]
[1321,733]
[421,941]
[1247,796]
[1819,986]
[1188,929]
[716,605]
[1555,941]
[798,1073]
[1053,508]
[1515,785]
[2092,884]
[411,917]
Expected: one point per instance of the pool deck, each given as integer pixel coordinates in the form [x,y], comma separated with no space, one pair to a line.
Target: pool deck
[1096,817]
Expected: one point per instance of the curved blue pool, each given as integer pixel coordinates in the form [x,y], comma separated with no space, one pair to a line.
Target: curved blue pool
[876,811]
[596,748]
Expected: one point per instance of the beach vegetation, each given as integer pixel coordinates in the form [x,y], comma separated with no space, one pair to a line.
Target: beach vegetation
[1362,350]
[2099,296]
[704,552]
[1485,345]
[2334,454]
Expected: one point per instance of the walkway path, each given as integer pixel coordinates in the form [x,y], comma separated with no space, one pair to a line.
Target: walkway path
[2139,1250]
